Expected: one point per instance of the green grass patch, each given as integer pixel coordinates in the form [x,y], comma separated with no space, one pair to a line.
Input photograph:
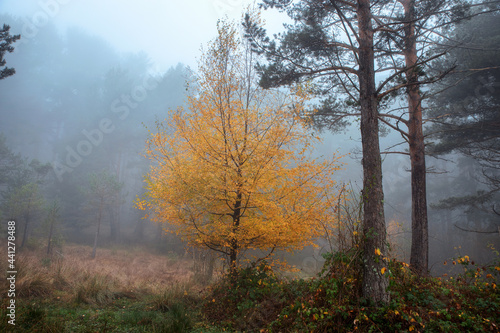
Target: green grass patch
[120,315]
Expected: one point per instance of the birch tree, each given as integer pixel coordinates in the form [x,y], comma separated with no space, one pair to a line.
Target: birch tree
[233,171]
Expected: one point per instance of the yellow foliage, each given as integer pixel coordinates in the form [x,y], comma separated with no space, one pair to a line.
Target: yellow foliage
[233,171]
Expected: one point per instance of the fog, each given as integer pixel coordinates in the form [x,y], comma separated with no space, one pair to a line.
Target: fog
[92,75]
[170,32]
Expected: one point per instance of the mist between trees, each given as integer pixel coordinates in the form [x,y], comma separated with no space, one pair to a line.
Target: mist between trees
[76,115]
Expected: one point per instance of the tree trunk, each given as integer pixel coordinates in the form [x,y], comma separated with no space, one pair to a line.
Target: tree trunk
[419,224]
[233,256]
[114,224]
[94,250]
[139,230]
[233,251]
[374,282]
[210,269]
[51,230]
[159,233]
[25,232]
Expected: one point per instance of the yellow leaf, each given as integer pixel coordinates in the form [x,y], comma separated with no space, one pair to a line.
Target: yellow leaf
[383,270]
[377,251]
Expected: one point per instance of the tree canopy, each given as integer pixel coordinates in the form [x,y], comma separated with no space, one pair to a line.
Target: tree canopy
[233,171]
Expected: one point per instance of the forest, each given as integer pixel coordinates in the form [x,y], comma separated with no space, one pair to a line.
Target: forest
[339,175]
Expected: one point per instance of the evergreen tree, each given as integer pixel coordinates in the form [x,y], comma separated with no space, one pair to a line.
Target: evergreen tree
[333,43]
[466,107]
[6,41]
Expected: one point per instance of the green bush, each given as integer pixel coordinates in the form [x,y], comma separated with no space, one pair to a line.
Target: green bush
[248,302]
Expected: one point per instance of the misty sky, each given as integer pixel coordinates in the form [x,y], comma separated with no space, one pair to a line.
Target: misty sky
[168,31]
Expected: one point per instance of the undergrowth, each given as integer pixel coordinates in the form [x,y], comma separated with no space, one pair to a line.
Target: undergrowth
[332,301]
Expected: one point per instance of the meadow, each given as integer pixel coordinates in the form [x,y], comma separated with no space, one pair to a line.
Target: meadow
[138,290]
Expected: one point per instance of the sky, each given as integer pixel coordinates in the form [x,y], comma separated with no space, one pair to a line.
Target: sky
[168,31]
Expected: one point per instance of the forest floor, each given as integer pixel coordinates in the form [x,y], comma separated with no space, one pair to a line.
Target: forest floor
[121,290]
[133,290]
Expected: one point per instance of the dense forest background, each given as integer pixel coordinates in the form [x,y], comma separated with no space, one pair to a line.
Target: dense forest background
[66,85]
[76,108]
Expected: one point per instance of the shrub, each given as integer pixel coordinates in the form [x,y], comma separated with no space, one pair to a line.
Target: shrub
[248,302]
[95,289]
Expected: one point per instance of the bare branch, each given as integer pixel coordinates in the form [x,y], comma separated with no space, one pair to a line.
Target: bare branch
[476,231]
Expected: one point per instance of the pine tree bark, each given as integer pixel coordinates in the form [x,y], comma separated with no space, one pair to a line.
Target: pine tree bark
[374,282]
[419,223]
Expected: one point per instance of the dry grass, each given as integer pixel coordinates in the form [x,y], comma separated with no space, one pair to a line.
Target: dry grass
[111,273]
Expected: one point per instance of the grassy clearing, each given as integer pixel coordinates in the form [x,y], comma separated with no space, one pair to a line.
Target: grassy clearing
[119,291]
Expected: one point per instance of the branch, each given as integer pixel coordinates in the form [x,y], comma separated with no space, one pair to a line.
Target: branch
[381,95]
[476,231]
[394,117]
[349,47]
[344,21]
[332,68]
[495,210]
[395,152]
[403,133]
[213,248]
[264,258]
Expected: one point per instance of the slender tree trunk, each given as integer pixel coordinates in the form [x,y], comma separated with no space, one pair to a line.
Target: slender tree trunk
[374,282]
[94,250]
[27,219]
[419,224]
[233,251]
[159,233]
[139,230]
[51,230]
[210,269]
[115,207]
[114,225]
[25,232]
[233,256]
